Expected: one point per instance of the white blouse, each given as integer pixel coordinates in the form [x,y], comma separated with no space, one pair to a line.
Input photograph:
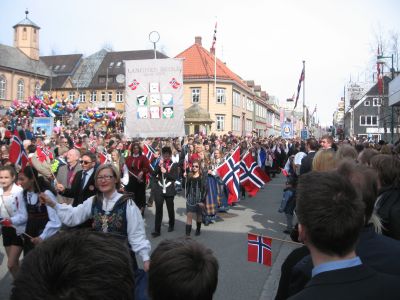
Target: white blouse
[21,217]
[9,206]
[73,216]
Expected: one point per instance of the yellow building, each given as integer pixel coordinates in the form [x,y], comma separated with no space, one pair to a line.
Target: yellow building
[22,73]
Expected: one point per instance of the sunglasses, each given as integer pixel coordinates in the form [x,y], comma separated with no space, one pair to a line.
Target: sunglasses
[85,162]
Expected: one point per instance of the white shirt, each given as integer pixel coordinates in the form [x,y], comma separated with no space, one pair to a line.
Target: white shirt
[73,216]
[125,175]
[52,225]
[298,157]
[9,206]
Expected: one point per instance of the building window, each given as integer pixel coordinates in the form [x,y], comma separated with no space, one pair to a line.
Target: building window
[24,33]
[119,96]
[2,87]
[71,96]
[236,123]
[37,89]
[220,95]
[20,89]
[93,97]
[195,95]
[236,99]
[109,96]
[82,97]
[220,122]
[250,105]
[249,125]
[370,120]
[376,101]
[103,96]
[119,64]
[367,103]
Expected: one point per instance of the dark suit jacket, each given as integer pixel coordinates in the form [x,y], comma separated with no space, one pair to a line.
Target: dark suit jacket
[77,193]
[169,177]
[376,251]
[306,163]
[355,283]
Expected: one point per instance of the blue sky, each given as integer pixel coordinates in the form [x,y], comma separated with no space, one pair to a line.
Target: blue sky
[264,41]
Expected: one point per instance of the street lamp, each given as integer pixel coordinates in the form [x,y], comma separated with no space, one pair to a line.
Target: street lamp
[380,59]
[154,37]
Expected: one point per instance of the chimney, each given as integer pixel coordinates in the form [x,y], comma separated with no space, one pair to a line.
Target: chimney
[197,40]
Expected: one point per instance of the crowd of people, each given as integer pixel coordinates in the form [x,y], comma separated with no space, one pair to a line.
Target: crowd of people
[80,178]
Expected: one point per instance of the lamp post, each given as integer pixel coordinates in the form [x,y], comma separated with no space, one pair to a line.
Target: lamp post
[154,37]
[380,59]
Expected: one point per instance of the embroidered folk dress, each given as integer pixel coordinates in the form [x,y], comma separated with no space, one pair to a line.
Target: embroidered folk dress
[108,217]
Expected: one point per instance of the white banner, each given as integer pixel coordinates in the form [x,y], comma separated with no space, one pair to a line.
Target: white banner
[154,102]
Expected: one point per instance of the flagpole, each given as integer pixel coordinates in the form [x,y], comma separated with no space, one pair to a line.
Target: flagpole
[276,239]
[304,94]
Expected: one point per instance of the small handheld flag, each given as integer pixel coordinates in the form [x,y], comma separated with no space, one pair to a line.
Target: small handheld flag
[259,249]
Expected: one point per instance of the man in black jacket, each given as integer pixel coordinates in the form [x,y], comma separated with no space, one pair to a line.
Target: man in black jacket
[83,185]
[306,162]
[166,172]
[331,215]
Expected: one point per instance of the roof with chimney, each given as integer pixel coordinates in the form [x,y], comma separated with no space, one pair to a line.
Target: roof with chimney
[198,63]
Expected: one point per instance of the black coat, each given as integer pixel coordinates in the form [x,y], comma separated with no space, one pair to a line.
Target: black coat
[354,283]
[169,177]
[306,163]
[77,193]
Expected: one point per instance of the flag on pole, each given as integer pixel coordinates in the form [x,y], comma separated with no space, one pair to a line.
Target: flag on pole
[252,177]
[302,75]
[229,172]
[259,249]
[214,38]
[103,157]
[149,152]
[17,152]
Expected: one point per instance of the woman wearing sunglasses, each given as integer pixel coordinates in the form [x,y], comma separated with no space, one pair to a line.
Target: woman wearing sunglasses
[196,192]
[111,213]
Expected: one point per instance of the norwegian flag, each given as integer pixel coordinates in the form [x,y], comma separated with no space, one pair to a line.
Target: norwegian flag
[148,151]
[175,84]
[214,37]
[134,84]
[302,76]
[43,153]
[252,177]
[259,249]
[103,157]
[17,152]
[229,172]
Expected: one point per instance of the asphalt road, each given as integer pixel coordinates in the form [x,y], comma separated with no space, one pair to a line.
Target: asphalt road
[238,278]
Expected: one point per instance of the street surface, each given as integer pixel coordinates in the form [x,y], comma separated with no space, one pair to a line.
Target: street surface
[238,279]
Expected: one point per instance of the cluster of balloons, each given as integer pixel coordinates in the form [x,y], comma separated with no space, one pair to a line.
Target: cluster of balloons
[42,106]
[94,116]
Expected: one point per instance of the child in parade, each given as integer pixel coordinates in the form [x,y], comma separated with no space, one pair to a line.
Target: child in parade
[196,192]
[11,228]
[288,203]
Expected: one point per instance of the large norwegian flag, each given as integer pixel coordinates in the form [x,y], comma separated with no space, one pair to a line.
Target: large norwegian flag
[252,178]
[229,172]
[17,152]
[148,151]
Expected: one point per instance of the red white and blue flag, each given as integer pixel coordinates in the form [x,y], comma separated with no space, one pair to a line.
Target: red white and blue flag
[17,152]
[229,172]
[252,177]
[259,249]
[148,151]
[103,157]
[302,76]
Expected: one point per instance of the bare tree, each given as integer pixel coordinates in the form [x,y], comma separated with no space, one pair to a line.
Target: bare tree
[107,45]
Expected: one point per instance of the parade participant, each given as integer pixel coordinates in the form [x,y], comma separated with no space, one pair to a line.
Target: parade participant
[42,221]
[196,191]
[306,162]
[217,194]
[166,173]
[324,160]
[94,266]
[66,173]
[83,185]
[111,212]
[327,142]
[116,161]
[288,203]
[182,269]
[12,226]
[138,167]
